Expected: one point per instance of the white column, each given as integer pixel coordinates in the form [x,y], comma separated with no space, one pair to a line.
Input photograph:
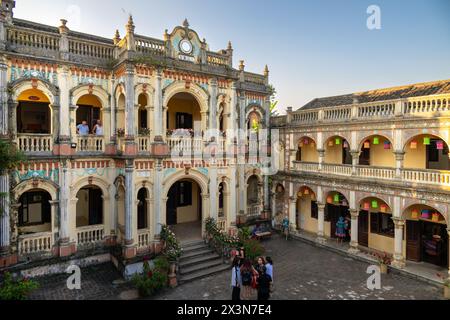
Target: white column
[213,104]
[157,105]
[399,160]
[399,260]
[213,190]
[4,114]
[129,203]
[233,198]
[129,106]
[5,228]
[354,243]
[157,196]
[321,158]
[64,103]
[242,140]
[292,213]
[64,192]
[321,223]
[113,118]
[355,161]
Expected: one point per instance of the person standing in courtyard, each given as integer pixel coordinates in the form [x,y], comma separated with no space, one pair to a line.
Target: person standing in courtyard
[247,272]
[264,282]
[341,227]
[260,264]
[236,280]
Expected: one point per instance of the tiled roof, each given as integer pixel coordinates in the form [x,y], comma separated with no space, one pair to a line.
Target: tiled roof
[414,90]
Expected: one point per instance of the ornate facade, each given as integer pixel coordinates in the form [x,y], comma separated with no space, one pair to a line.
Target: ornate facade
[105,125]
[380,160]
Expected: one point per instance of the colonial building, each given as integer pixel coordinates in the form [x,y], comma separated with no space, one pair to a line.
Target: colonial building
[380,159]
[122,136]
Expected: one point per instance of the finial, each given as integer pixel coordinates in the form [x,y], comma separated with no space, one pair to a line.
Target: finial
[130,24]
[63,27]
[241,65]
[230,47]
[186,23]
[266,71]
[117,37]
[166,35]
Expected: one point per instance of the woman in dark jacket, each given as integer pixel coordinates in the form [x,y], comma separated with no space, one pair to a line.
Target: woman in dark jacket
[264,281]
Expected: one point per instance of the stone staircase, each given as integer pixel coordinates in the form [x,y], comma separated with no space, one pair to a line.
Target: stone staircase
[199,261]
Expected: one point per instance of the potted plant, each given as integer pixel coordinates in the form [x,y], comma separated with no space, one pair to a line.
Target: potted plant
[384,260]
[120,133]
[446,283]
[16,289]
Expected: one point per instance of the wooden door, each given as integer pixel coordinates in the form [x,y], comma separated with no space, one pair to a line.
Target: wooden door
[413,239]
[363,228]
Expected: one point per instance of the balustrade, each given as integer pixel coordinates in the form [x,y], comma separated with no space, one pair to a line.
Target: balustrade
[35,243]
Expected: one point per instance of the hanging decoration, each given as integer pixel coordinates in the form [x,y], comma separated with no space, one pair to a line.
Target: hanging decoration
[337,141]
[366,206]
[376,141]
[336,198]
[415,214]
[387,145]
[374,204]
[346,146]
[306,192]
[330,199]
[440,145]
[435,217]
[413,144]
[367,145]
[383,208]
[306,141]
[330,143]
[426,214]
[426,141]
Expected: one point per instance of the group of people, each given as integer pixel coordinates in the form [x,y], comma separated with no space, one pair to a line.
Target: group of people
[246,278]
[83,128]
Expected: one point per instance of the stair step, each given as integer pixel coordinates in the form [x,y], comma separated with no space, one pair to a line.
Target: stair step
[204,273]
[200,266]
[191,243]
[199,259]
[195,248]
[196,253]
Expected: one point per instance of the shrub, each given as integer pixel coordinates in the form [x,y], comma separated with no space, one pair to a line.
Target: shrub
[253,249]
[16,289]
[244,234]
[162,264]
[151,281]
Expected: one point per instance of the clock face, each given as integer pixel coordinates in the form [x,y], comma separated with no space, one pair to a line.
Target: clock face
[186,46]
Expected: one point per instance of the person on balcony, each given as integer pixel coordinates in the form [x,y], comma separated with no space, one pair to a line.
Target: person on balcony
[98,128]
[83,128]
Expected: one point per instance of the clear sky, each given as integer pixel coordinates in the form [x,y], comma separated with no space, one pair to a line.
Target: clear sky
[314,48]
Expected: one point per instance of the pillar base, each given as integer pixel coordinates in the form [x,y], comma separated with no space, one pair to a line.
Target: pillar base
[173,282]
[157,247]
[160,148]
[321,240]
[110,241]
[8,260]
[129,252]
[131,149]
[67,249]
[353,250]
[400,264]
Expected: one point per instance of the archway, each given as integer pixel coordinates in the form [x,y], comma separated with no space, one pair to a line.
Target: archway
[222,202]
[89,210]
[337,206]
[307,210]
[427,152]
[253,196]
[375,225]
[376,151]
[33,113]
[35,214]
[120,115]
[306,150]
[89,115]
[426,235]
[184,209]
[143,115]
[183,113]
[142,209]
[337,151]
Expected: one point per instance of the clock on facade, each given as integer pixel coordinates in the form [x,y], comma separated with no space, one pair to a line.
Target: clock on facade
[186,46]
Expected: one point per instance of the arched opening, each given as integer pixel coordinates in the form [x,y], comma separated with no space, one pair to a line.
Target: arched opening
[426,235]
[375,225]
[222,119]
[253,196]
[377,151]
[184,209]
[337,207]
[307,210]
[307,151]
[120,203]
[142,209]
[183,112]
[89,211]
[337,151]
[143,123]
[33,113]
[89,116]
[120,115]
[222,203]
[279,203]
[35,212]
[427,152]
[254,122]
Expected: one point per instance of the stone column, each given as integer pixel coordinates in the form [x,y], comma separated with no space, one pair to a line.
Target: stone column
[213,190]
[399,260]
[213,104]
[321,158]
[4,114]
[399,160]
[321,223]
[354,243]
[65,246]
[130,127]
[157,104]
[64,102]
[130,248]
[355,161]
[5,227]
[266,197]
[233,199]
[157,196]
[113,102]
[292,213]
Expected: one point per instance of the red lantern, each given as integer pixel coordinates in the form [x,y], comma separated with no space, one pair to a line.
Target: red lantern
[366,206]
[413,145]
[440,145]
[383,208]
[330,199]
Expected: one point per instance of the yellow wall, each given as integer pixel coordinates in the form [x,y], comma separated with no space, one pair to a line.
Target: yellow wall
[309,153]
[333,155]
[89,100]
[190,213]
[305,222]
[25,96]
[83,208]
[415,158]
[381,243]
[184,106]
[381,157]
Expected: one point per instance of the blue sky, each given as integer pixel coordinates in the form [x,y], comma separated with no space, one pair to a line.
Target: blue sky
[313,48]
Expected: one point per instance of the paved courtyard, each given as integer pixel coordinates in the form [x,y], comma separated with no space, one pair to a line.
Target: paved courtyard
[302,272]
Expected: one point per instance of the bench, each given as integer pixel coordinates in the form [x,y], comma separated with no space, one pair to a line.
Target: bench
[263,235]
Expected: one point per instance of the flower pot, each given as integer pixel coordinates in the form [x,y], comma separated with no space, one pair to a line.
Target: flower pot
[383,268]
[447,292]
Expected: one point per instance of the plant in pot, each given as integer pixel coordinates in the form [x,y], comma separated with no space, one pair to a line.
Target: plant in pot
[384,260]
[446,283]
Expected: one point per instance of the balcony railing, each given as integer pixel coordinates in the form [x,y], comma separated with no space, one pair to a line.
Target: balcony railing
[421,176]
[186,146]
[222,224]
[35,243]
[144,143]
[35,142]
[90,234]
[90,144]
[253,210]
[144,238]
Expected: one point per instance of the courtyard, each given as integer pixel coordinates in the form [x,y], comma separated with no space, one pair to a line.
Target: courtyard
[301,272]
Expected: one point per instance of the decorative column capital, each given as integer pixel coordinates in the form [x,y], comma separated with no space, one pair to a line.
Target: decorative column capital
[354,213]
[398,222]
[321,206]
[399,155]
